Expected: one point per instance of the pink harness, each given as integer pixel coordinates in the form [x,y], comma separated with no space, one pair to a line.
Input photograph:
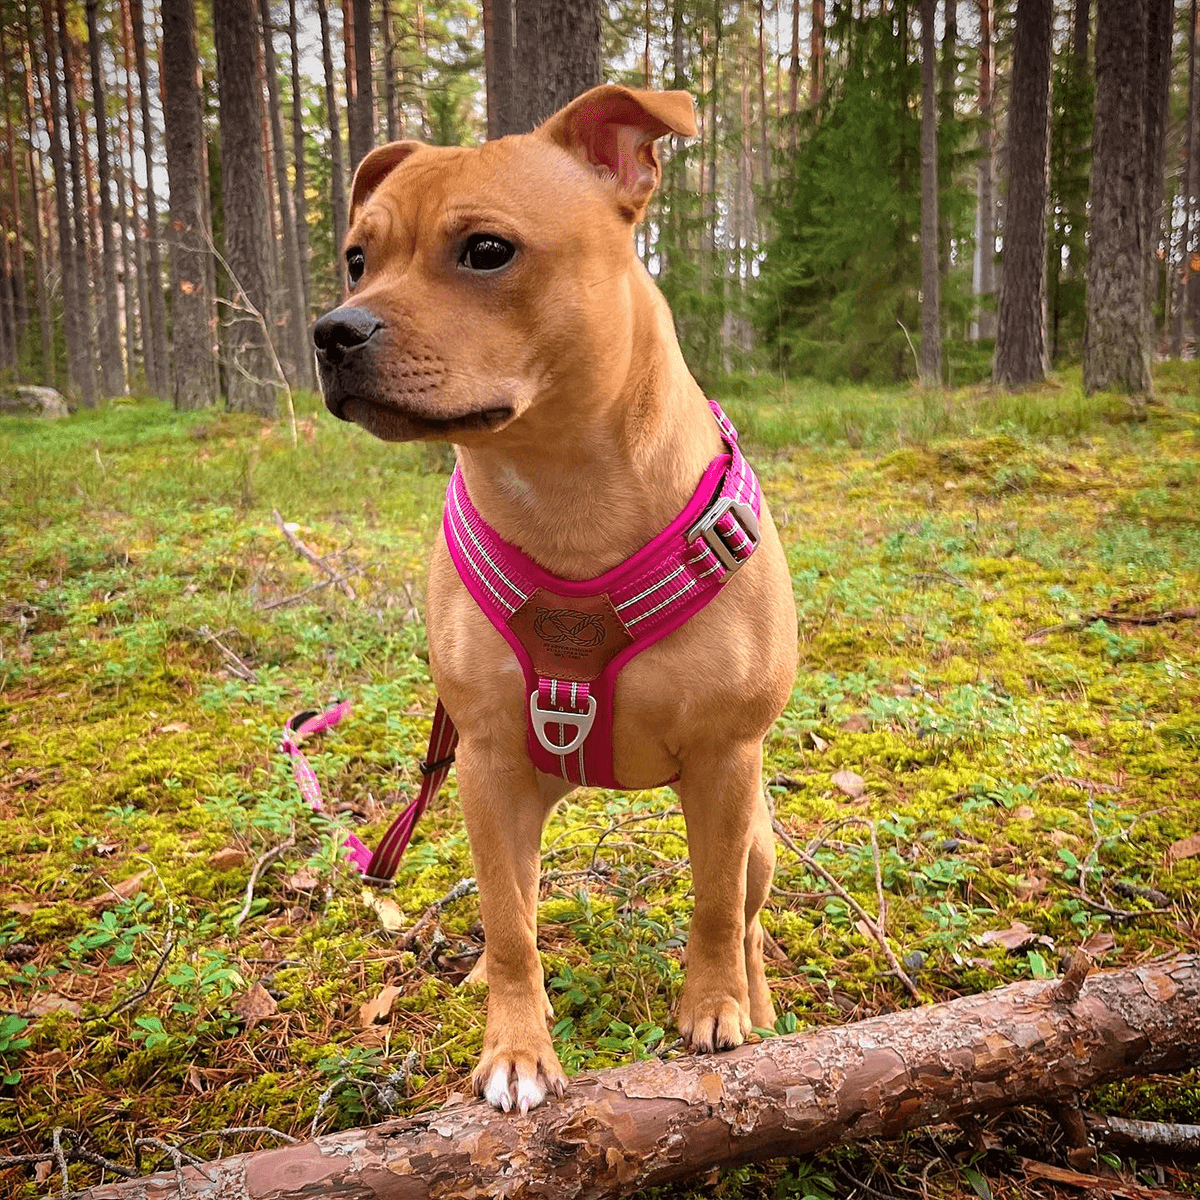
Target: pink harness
[571,637]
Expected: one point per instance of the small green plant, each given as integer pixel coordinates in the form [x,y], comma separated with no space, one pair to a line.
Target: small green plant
[805,1181]
[11,1045]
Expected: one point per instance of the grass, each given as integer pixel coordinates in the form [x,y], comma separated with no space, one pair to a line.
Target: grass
[1021,756]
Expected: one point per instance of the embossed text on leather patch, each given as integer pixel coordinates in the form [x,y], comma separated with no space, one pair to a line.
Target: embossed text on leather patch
[569,637]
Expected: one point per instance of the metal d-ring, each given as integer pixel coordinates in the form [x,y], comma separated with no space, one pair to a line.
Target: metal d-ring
[541,717]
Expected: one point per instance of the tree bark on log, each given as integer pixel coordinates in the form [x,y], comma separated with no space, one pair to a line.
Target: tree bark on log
[657,1122]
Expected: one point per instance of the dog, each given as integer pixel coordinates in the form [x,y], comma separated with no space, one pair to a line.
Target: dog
[496,301]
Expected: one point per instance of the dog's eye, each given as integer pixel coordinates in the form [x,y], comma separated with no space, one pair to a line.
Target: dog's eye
[486,252]
[356,264]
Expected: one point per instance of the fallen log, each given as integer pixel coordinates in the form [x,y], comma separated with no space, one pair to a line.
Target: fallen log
[657,1122]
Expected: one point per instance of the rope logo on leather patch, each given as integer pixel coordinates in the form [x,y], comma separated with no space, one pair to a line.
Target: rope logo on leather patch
[569,629]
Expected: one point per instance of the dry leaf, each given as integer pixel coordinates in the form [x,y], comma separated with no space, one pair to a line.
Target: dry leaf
[850,783]
[303,880]
[1023,813]
[856,723]
[174,727]
[1059,1174]
[379,1008]
[1018,936]
[1027,888]
[42,1171]
[195,1079]
[387,910]
[230,856]
[255,1004]
[105,849]
[52,1002]
[1099,943]
[125,890]
[1187,847]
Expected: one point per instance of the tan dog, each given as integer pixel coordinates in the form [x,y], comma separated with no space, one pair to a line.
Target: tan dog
[498,303]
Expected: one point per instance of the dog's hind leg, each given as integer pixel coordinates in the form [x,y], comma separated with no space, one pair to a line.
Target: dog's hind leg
[721,793]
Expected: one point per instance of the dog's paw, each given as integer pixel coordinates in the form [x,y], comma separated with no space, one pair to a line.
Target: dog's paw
[510,1077]
[713,1022]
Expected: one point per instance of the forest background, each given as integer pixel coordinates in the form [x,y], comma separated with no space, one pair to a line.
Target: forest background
[787,235]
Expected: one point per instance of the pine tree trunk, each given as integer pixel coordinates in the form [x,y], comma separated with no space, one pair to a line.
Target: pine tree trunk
[79,249]
[356,151]
[659,1123]
[816,80]
[931,310]
[18,314]
[126,226]
[1160,33]
[299,170]
[566,35]
[337,165]
[1190,181]
[112,372]
[794,77]
[301,355]
[137,332]
[501,76]
[41,245]
[391,99]
[195,380]
[154,329]
[947,90]
[78,365]
[364,112]
[763,112]
[244,200]
[1021,334]
[985,275]
[1116,350]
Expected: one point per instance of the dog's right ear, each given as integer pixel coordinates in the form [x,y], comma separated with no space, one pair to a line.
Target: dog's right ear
[373,169]
[614,129]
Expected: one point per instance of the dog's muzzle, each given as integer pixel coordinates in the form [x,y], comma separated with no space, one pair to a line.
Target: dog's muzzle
[341,332]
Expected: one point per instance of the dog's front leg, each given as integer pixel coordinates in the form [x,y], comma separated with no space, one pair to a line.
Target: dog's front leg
[504,811]
[732,856]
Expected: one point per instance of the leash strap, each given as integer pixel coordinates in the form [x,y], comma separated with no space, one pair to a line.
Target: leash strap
[380,866]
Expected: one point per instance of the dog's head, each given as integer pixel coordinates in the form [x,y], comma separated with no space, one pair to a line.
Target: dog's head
[482,281]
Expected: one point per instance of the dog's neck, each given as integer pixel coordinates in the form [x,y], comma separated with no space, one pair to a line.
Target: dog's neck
[582,484]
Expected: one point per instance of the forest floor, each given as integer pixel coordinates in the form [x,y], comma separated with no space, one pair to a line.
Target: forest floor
[999,683]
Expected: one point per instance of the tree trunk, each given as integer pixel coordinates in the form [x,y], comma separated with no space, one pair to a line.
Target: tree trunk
[566,34]
[764,117]
[111,370]
[155,328]
[794,77]
[243,197]
[1159,36]
[931,304]
[18,294]
[364,111]
[299,168]
[195,381]
[985,263]
[356,151]
[947,93]
[126,225]
[78,366]
[337,166]
[503,116]
[1116,349]
[78,247]
[656,1123]
[41,248]
[1191,180]
[142,326]
[816,80]
[391,97]
[1021,332]
[301,355]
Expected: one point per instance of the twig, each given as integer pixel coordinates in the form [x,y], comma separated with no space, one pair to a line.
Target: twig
[1122,1131]
[239,1131]
[1117,618]
[916,357]
[308,591]
[315,559]
[871,925]
[1119,914]
[1067,990]
[263,859]
[60,1157]
[142,993]
[464,887]
[232,662]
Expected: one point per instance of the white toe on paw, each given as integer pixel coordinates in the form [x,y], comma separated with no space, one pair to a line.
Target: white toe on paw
[530,1094]
[497,1092]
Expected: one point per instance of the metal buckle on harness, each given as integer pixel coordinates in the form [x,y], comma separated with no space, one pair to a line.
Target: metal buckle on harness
[541,717]
[705,528]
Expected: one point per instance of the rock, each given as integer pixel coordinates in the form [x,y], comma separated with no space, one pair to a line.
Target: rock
[23,400]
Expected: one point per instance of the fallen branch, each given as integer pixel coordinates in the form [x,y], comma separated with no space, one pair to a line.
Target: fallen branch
[1112,617]
[311,556]
[1156,1135]
[263,859]
[657,1122]
[232,662]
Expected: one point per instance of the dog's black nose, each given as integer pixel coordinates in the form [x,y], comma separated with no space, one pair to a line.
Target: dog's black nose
[342,330]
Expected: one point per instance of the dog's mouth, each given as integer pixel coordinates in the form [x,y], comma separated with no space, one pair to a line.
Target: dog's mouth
[392,424]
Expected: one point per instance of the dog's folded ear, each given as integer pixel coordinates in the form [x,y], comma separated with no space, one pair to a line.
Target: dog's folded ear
[614,128]
[374,168]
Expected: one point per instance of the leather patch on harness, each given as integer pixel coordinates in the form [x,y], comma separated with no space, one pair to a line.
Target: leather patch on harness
[570,637]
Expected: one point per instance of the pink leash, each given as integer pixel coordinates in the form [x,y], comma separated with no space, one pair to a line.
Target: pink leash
[381,865]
